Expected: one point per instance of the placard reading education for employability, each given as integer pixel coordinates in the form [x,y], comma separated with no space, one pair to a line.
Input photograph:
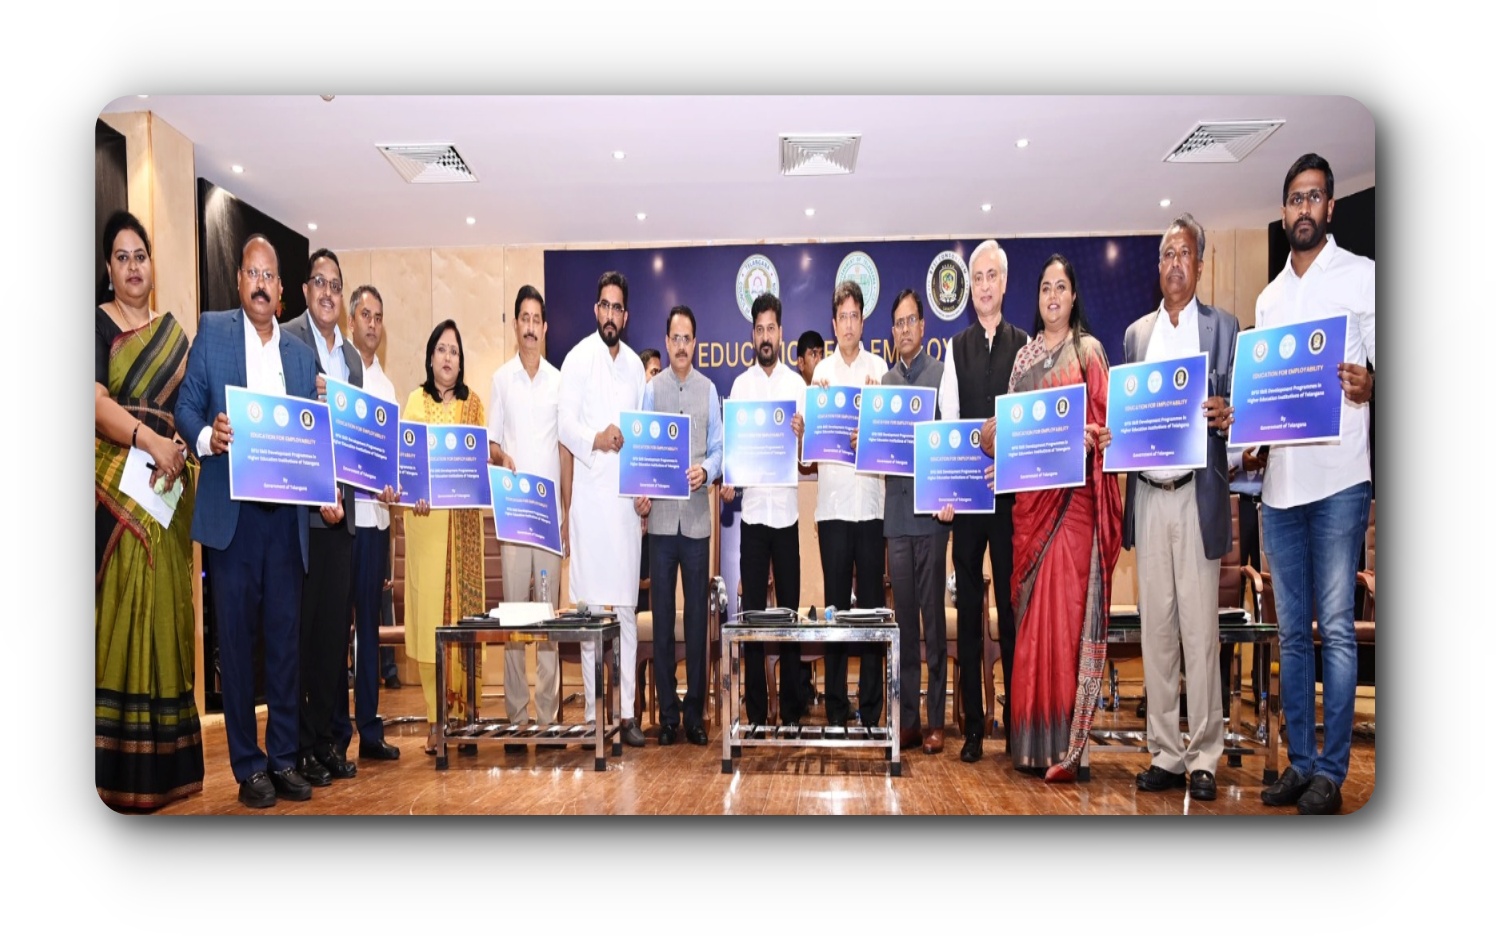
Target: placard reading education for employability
[1040,440]
[365,447]
[415,481]
[524,509]
[759,444]
[456,456]
[282,449]
[830,420]
[1156,412]
[1286,386]
[885,427]
[950,468]
[655,455]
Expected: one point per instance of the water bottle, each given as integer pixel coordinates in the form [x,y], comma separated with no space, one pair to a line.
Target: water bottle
[1262,717]
[545,588]
[831,614]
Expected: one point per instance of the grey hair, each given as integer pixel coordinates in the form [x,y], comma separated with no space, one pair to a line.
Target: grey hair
[1002,255]
[1186,222]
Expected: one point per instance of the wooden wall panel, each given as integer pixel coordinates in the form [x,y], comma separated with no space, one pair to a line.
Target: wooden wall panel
[404,279]
[1252,274]
[467,286]
[174,223]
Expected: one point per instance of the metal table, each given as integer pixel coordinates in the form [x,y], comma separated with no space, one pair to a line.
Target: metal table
[737,735]
[1236,628]
[471,633]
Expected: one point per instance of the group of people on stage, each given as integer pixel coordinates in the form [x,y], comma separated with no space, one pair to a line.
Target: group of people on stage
[293,576]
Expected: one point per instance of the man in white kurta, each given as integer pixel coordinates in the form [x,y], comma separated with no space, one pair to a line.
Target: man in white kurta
[600,378]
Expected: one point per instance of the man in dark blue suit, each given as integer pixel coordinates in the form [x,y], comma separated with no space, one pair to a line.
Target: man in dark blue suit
[1180,522]
[255,553]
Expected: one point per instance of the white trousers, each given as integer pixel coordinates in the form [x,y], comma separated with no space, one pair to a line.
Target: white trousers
[628,651]
[520,564]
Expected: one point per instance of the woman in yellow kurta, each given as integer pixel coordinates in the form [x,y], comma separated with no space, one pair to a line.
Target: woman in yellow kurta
[443,548]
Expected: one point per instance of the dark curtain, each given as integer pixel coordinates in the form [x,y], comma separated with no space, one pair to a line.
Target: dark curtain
[224,223]
[111,194]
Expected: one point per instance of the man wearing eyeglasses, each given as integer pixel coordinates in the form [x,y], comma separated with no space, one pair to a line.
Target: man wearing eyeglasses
[1316,497]
[251,549]
[326,602]
[600,378]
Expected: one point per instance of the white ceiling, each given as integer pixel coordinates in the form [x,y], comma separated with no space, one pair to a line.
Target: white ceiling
[706,169]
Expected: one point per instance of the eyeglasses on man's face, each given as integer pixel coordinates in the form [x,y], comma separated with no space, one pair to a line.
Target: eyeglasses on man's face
[609,308]
[321,282]
[1314,197]
[260,276]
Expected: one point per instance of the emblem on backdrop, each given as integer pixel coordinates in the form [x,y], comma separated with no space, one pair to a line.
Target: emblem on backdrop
[755,277]
[947,285]
[860,269]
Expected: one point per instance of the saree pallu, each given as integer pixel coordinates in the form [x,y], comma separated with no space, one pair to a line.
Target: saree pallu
[147,738]
[443,561]
[1065,545]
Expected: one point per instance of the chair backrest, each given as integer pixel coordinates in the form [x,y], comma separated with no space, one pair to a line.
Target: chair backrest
[1230,594]
[1371,537]
[493,563]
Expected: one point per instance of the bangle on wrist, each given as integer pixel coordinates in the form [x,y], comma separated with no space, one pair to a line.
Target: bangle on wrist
[135,432]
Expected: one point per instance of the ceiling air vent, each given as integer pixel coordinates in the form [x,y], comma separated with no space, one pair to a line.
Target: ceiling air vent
[427,162]
[816,154]
[1222,141]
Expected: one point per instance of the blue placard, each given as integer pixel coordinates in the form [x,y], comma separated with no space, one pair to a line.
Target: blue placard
[456,456]
[758,444]
[655,456]
[830,419]
[885,427]
[365,448]
[950,467]
[524,509]
[1041,439]
[415,480]
[1156,413]
[282,449]
[1286,386]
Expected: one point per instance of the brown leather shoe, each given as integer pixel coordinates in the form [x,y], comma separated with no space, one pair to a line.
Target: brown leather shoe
[908,738]
[934,740]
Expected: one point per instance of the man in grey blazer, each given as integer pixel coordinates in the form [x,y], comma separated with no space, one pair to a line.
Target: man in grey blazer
[326,598]
[1180,522]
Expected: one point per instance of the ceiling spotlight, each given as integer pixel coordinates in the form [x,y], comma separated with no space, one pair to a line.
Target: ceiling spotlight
[327,97]
[619,154]
[142,96]
[472,220]
[987,206]
[1164,203]
[237,169]
[311,225]
[1022,143]
[641,216]
[810,212]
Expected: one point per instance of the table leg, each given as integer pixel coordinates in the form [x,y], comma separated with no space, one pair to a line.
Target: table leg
[441,712]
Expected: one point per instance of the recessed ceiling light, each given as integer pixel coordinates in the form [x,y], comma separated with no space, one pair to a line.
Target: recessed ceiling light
[472,220]
[311,225]
[237,169]
[142,96]
[1022,143]
[619,154]
[1164,203]
[641,216]
[987,206]
[810,212]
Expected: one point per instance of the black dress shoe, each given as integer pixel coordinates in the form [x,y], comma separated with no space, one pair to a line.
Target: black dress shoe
[312,771]
[696,734]
[631,735]
[1156,779]
[377,750]
[393,682]
[468,750]
[1202,785]
[257,792]
[1322,798]
[667,736]
[1286,790]
[515,748]
[290,784]
[336,763]
[971,751]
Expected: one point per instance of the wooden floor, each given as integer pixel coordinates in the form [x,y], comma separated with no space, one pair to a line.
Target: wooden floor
[688,780]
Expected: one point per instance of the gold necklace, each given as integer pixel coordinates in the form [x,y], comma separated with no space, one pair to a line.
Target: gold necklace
[134,329]
[1052,352]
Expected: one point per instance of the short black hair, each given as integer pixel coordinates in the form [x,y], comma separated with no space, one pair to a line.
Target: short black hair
[845,290]
[1307,163]
[460,391]
[530,292]
[681,310]
[811,341]
[614,278]
[318,254]
[357,296]
[649,354]
[919,306]
[767,302]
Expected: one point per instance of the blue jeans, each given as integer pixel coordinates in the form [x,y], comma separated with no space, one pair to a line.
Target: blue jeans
[1312,552]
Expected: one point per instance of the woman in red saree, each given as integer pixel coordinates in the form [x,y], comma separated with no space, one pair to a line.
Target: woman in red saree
[1065,544]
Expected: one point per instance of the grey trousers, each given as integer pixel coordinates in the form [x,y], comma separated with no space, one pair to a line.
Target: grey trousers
[916,569]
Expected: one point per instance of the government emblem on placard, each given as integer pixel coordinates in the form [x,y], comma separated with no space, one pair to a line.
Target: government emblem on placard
[755,277]
[860,269]
[947,285]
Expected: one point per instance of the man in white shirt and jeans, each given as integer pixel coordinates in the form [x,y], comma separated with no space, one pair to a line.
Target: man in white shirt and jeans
[1316,497]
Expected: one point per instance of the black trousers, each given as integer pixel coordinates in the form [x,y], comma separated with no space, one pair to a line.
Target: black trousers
[848,549]
[326,615]
[371,559]
[974,535]
[668,555]
[761,547]
[916,569]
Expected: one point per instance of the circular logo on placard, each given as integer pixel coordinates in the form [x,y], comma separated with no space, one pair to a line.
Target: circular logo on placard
[1039,409]
[638,428]
[1130,385]
[341,401]
[431,440]
[947,285]
[380,416]
[1155,382]
[410,437]
[540,488]
[508,482]
[914,405]
[821,399]
[877,404]
[673,431]
[759,417]
[281,415]
[975,438]
[308,419]
[524,485]
[361,409]
[654,430]
[935,438]
[755,277]
[1181,378]
[894,405]
[778,416]
[1259,351]
[470,441]
[860,269]
[1317,340]
[742,417]
[1286,347]
[1061,407]
[1016,413]
[451,441]
[255,412]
